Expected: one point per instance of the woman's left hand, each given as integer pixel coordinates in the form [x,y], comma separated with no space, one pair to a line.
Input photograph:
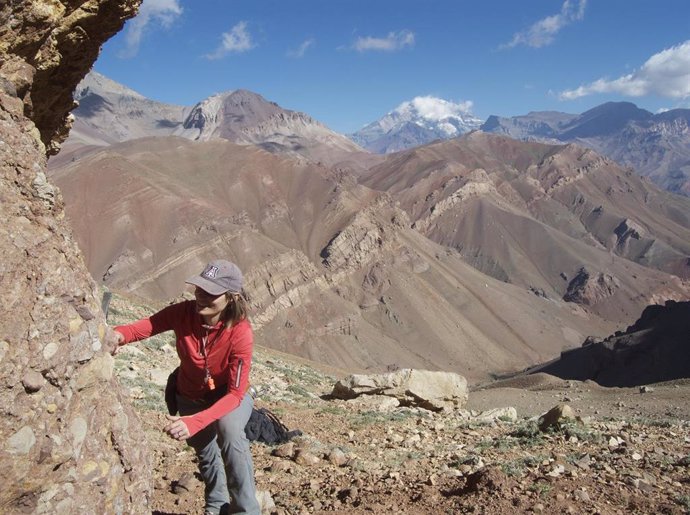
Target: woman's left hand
[176,428]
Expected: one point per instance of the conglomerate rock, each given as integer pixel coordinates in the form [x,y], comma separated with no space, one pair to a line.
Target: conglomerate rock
[68,443]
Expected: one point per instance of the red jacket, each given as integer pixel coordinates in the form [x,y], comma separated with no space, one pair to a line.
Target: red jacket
[229,353]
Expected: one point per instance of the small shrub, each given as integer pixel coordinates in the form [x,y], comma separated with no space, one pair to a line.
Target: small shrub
[298,390]
[534,461]
[333,410]
[541,489]
[655,422]
[527,434]
[367,418]
[581,432]
[683,500]
[513,468]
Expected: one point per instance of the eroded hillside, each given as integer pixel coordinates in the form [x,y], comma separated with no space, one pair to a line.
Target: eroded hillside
[335,271]
[479,255]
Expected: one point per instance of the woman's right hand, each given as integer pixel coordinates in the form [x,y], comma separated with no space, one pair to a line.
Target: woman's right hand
[113,340]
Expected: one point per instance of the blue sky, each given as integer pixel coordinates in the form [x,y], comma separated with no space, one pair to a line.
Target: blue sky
[348,63]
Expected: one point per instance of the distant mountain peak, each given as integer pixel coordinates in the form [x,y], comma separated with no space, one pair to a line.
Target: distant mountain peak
[100,84]
[417,122]
[434,110]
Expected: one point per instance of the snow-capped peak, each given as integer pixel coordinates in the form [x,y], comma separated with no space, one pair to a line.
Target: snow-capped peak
[428,117]
[433,108]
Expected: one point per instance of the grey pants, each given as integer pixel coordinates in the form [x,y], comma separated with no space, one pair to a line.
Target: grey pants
[225,460]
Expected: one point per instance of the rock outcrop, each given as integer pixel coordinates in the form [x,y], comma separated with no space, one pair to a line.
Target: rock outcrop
[69,442]
[48,47]
[588,290]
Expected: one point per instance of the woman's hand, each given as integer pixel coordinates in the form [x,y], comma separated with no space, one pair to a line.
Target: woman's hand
[113,340]
[176,429]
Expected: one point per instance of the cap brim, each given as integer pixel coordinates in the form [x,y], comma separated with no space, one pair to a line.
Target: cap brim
[206,285]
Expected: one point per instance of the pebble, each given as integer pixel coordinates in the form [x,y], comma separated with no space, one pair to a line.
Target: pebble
[286,450]
[306,458]
[33,381]
[581,495]
[337,457]
[184,484]
[640,484]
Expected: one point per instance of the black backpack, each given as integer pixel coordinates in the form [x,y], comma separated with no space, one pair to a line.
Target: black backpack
[264,426]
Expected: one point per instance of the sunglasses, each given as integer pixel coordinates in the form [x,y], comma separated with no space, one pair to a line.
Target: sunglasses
[203,293]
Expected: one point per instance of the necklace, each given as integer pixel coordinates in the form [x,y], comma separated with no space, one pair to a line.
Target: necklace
[205,348]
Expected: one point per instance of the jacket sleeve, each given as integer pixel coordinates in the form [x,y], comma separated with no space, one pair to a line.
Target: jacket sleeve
[156,323]
[238,381]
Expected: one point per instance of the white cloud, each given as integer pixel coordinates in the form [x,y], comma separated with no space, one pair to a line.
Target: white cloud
[393,41]
[434,108]
[666,74]
[236,41]
[300,51]
[162,12]
[543,32]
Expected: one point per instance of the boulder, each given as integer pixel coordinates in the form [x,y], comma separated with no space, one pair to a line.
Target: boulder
[507,414]
[556,417]
[432,390]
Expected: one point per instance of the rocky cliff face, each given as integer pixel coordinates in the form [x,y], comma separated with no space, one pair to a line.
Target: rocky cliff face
[654,349]
[68,443]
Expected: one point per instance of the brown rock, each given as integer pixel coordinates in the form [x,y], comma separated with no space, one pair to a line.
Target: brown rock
[184,484]
[489,480]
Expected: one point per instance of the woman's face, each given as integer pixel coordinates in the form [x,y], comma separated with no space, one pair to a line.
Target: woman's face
[210,306]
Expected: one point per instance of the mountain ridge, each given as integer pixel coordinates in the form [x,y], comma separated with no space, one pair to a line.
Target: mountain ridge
[110,112]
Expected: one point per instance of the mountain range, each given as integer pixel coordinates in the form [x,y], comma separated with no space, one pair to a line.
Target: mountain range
[656,146]
[109,112]
[479,254]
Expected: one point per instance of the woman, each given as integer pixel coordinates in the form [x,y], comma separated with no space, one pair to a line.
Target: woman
[214,343]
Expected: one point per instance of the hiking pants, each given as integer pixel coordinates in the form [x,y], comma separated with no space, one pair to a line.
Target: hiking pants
[225,460]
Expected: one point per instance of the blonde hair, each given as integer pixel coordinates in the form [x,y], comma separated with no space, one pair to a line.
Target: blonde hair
[236,310]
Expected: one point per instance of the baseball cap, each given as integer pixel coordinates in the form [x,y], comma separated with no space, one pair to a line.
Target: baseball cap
[218,277]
